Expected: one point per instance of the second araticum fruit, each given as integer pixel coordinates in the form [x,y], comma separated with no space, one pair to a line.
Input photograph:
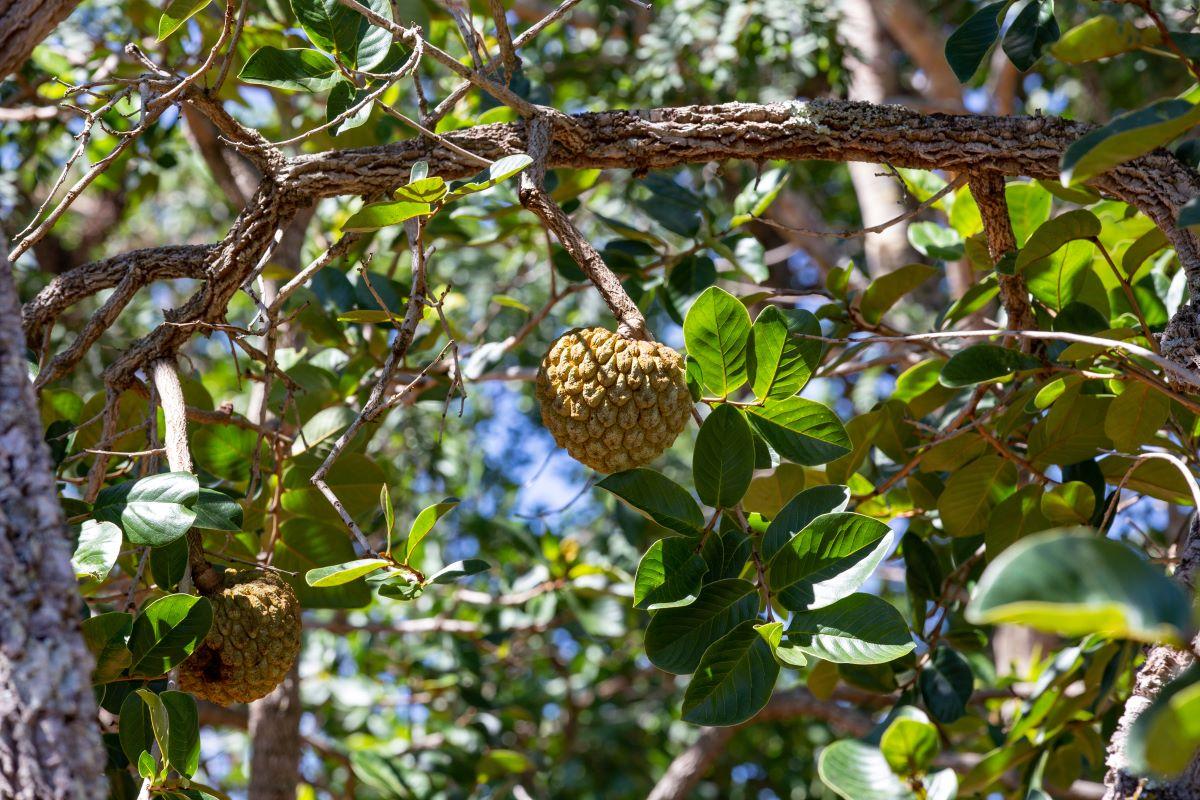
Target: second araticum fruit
[613,402]
[252,644]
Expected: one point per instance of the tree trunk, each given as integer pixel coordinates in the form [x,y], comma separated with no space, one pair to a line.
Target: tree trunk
[23,25]
[879,196]
[49,736]
[275,742]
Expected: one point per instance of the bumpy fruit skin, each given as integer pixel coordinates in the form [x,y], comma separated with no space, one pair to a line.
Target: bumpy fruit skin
[613,402]
[253,642]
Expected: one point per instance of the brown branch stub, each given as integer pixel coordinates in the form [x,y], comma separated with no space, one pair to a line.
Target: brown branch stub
[534,197]
[988,190]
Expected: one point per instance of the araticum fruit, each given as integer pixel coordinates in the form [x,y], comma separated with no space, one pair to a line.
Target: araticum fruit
[613,402]
[252,644]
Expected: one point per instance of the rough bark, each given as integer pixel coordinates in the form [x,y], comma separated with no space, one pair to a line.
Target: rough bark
[1163,663]
[988,190]
[275,742]
[49,739]
[23,25]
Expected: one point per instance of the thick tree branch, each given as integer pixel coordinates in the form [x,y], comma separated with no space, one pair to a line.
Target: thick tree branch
[988,190]
[23,26]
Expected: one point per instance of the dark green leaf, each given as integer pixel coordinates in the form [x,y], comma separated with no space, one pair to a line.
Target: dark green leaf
[459,569]
[779,364]
[1126,137]
[300,69]
[217,511]
[154,511]
[946,685]
[723,461]
[166,632]
[669,574]
[982,363]
[1034,29]
[677,637]
[800,430]
[717,332]
[830,558]
[799,512]
[657,497]
[733,680]
[857,629]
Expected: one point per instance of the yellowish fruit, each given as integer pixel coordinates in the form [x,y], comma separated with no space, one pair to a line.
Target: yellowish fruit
[252,644]
[613,402]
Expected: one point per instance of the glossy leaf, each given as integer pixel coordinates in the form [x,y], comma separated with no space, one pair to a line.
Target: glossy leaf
[831,557]
[1053,234]
[676,638]
[176,13]
[733,680]
[1126,137]
[97,550]
[800,430]
[153,511]
[857,629]
[669,574]
[423,524]
[1072,582]
[459,569]
[858,771]
[981,363]
[337,574]
[723,460]
[717,334]
[166,632]
[946,684]
[298,69]
[657,497]
[779,364]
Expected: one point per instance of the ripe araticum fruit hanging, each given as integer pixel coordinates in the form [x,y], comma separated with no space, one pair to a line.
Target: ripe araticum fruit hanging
[612,401]
[252,644]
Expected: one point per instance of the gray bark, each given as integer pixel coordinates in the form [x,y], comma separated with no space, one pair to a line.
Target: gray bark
[275,742]
[49,736]
[23,25]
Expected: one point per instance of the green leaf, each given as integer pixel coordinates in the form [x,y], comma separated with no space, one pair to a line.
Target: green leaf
[1100,37]
[304,544]
[135,731]
[226,451]
[887,289]
[166,632]
[1054,233]
[771,490]
[335,28]
[389,513]
[857,629]
[972,492]
[374,216]
[800,430]
[933,240]
[1070,503]
[459,569]
[299,69]
[1135,416]
[717,333]
[1164,738]
[733,681]
[1034,29]
[1126,137]
[217,511]
[982,363]
[97,550]
[754,200]
[500,170]
[154,511]
[1072,582]
[337,574]
[168,564]
[779,364]
[423,524]
[104,635]
[176,13]
[723,461]
[669,574]
[858,771]
[910,743]
[422,190]
[830,558]
[658,498]
[799,512]
[182,749]
[946,684]
[342,97]
[676,638]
